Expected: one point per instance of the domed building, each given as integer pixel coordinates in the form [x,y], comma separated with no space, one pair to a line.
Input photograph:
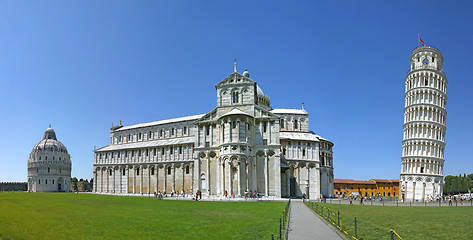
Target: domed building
[49,165]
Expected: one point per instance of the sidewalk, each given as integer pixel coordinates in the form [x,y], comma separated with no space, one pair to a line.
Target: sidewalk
[305,224]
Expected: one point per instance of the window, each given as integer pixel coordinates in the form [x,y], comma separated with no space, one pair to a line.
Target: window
[207,130]
[265,141]
[46,181]
[170,149]
[49,169]
[39,157]
[39,181]
[172,131]
[234,124]
[46,158]
[132,153]
[124,172]
[129,137]
[147,152]
[421,169]
[150,135]
[426,82]
[303,152]
[139,153]
[155,151]
[185,129]
[53,157]
[137,171]
[235,97]
[139,136]
[126,153]
[180,149]
[433,58]
[53,181]
[160,133]
[282,123]
[284,151]
[295,123]
[152,171]
[118,154]
[207,144]
[162,151]
[265,126]
[169,170]
[187,170]
[110,172]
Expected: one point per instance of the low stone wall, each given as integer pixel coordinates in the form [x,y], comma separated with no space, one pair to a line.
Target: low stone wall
[13,186]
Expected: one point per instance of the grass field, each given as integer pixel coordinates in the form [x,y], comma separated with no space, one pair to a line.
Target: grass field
[88,216]
[408,222]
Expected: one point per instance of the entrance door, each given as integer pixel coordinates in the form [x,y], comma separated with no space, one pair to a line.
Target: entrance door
[59,187]
[293,186]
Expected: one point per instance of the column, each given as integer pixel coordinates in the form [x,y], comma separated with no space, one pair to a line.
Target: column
[127,178]
[183,176]
[230,178]
[108,180]
[173,172]
[219,191]
[157,178]
[134,179]
[141,179]
[238,130]
[238,178]
[266,173]
[165,169]
[255,179]
[149,179]
[208,173]
[114,176]
[246,176]
[223,176]
[192,185]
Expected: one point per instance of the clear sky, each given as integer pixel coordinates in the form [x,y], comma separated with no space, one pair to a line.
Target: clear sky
[83,65]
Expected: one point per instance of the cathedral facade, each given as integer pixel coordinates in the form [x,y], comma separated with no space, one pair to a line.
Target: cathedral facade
[241,146]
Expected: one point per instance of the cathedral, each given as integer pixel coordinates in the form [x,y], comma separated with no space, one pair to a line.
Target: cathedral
[241,146]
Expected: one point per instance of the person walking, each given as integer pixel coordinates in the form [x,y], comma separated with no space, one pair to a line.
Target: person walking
[351,200]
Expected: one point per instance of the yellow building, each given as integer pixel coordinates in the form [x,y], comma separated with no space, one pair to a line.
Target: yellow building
[373,187]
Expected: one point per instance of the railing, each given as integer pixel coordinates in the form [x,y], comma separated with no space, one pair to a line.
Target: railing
[284,223]
[395,202]
[350,229]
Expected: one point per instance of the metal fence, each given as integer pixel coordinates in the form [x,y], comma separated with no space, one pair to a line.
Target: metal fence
[396,202]
[284,222]
[350,228]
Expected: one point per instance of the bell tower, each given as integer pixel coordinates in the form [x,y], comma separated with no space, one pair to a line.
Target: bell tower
[425,113]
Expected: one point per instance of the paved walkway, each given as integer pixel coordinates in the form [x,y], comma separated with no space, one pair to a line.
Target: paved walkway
[305,224]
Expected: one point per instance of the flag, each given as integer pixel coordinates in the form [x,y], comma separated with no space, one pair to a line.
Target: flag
[421,42]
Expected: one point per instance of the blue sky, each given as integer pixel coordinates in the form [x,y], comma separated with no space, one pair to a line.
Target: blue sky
[84,65]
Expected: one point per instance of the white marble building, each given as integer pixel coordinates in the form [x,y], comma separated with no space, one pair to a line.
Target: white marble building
[243,145]
[49,165]
[424,126]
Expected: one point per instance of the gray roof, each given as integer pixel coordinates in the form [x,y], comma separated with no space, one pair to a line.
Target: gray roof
[173,120]
[148,144]
[299,136]
[289,111]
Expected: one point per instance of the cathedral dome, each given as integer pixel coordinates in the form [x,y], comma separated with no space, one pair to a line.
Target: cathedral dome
[49,143]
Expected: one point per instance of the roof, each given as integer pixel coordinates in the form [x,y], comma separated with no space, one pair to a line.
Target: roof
[147,144]
[299,136]
[172,120]
[289,111]
[385,180]
[236,111]
[351,181]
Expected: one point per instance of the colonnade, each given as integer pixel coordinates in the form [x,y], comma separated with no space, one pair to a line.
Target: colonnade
[423,148]
[420,165]
[144,178]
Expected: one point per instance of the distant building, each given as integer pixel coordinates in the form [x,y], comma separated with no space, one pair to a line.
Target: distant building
[242,145]
[13,186]
[371,188]
[49,165]
[425,112]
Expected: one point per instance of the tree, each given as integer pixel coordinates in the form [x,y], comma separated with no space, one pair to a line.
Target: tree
[74,183]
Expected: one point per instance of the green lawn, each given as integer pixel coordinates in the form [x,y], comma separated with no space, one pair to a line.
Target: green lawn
[408,222]
[88,216]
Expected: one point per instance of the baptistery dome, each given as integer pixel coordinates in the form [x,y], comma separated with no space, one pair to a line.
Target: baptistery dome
[49,165]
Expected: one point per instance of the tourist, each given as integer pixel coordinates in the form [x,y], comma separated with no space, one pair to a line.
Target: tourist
[361,200]
[226,194]
[351,200]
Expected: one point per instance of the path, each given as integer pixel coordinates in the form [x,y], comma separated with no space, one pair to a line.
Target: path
[305,224]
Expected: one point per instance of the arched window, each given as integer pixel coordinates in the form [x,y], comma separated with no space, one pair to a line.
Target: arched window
[265,126]
[172,131]
[149,135]
[124,172]
[185,130]
[303,152]
[152,171]
[282,123]
[139,136]
[110,172]
[53,181]
[235,97]
[49,169]
[187,170]
[169,170]
[39,181]
[137,171]
[295,124]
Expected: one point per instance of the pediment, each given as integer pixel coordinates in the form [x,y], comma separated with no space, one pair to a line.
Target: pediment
[234,78]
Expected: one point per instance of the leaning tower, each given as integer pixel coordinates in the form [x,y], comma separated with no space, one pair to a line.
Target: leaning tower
[424,126]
